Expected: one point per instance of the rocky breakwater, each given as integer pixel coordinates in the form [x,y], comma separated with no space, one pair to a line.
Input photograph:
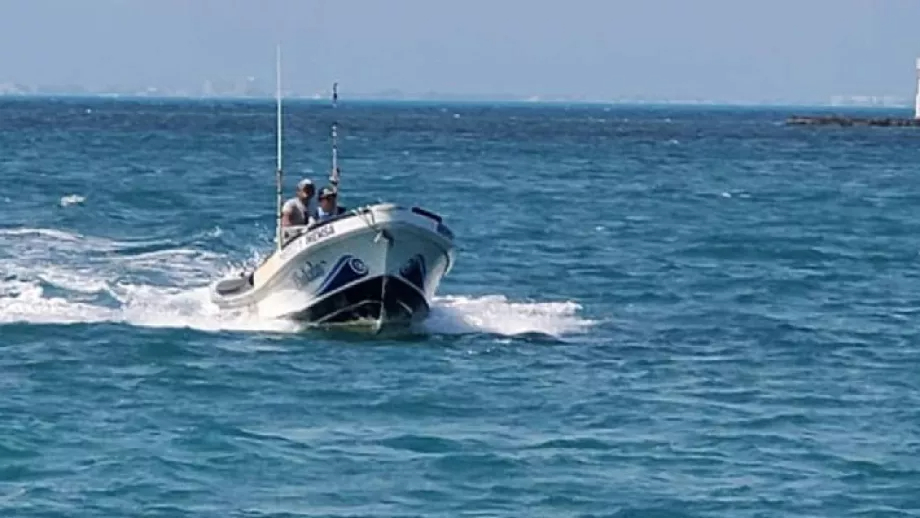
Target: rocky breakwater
[839,120]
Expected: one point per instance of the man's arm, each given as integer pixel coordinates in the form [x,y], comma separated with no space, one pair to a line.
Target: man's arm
[286,214]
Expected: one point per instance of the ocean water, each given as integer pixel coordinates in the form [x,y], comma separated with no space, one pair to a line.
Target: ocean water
[655,312]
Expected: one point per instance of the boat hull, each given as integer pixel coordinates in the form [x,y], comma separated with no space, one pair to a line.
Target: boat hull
[377,266]
[384,299]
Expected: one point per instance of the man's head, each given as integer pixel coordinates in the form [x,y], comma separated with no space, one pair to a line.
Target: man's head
[305,189]
[327,198]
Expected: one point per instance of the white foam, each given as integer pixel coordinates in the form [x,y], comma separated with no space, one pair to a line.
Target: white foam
[496,314]
[72,199]
[43,232]
[53,277]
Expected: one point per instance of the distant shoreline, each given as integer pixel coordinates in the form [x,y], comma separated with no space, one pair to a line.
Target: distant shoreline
[448,100]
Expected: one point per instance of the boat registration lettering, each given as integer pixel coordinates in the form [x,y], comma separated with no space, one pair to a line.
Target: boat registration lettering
[307,239]
[316,235]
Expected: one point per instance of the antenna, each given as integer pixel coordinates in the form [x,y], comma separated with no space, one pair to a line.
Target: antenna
[334,175]
[278,175]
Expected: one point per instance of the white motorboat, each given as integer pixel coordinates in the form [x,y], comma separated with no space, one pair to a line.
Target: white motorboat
[379,265]
[376,266]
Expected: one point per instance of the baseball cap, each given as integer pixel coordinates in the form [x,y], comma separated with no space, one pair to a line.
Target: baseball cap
[306,182]
[326,192]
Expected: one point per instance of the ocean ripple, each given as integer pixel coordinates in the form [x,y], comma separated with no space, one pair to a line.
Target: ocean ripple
[656,311]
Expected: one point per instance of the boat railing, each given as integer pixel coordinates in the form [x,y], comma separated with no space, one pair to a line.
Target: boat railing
[292,233]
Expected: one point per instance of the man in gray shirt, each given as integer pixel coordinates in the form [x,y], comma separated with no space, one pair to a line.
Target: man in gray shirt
[297,210]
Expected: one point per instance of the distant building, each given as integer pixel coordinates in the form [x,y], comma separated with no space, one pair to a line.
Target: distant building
[917,94]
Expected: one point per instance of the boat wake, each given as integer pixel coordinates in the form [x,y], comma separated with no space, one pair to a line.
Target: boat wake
[54,277]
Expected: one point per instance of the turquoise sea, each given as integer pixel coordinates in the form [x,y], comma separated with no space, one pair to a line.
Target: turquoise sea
[654,312]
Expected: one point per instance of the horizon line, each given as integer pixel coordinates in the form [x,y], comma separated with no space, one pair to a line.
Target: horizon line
[448,99]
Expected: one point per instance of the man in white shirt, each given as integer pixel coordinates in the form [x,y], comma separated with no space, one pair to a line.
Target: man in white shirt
[297,210]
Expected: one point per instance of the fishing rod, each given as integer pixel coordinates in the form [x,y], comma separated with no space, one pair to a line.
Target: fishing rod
[278,174]
[334,175]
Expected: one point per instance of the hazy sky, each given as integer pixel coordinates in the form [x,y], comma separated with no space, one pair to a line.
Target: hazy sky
[713,49]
